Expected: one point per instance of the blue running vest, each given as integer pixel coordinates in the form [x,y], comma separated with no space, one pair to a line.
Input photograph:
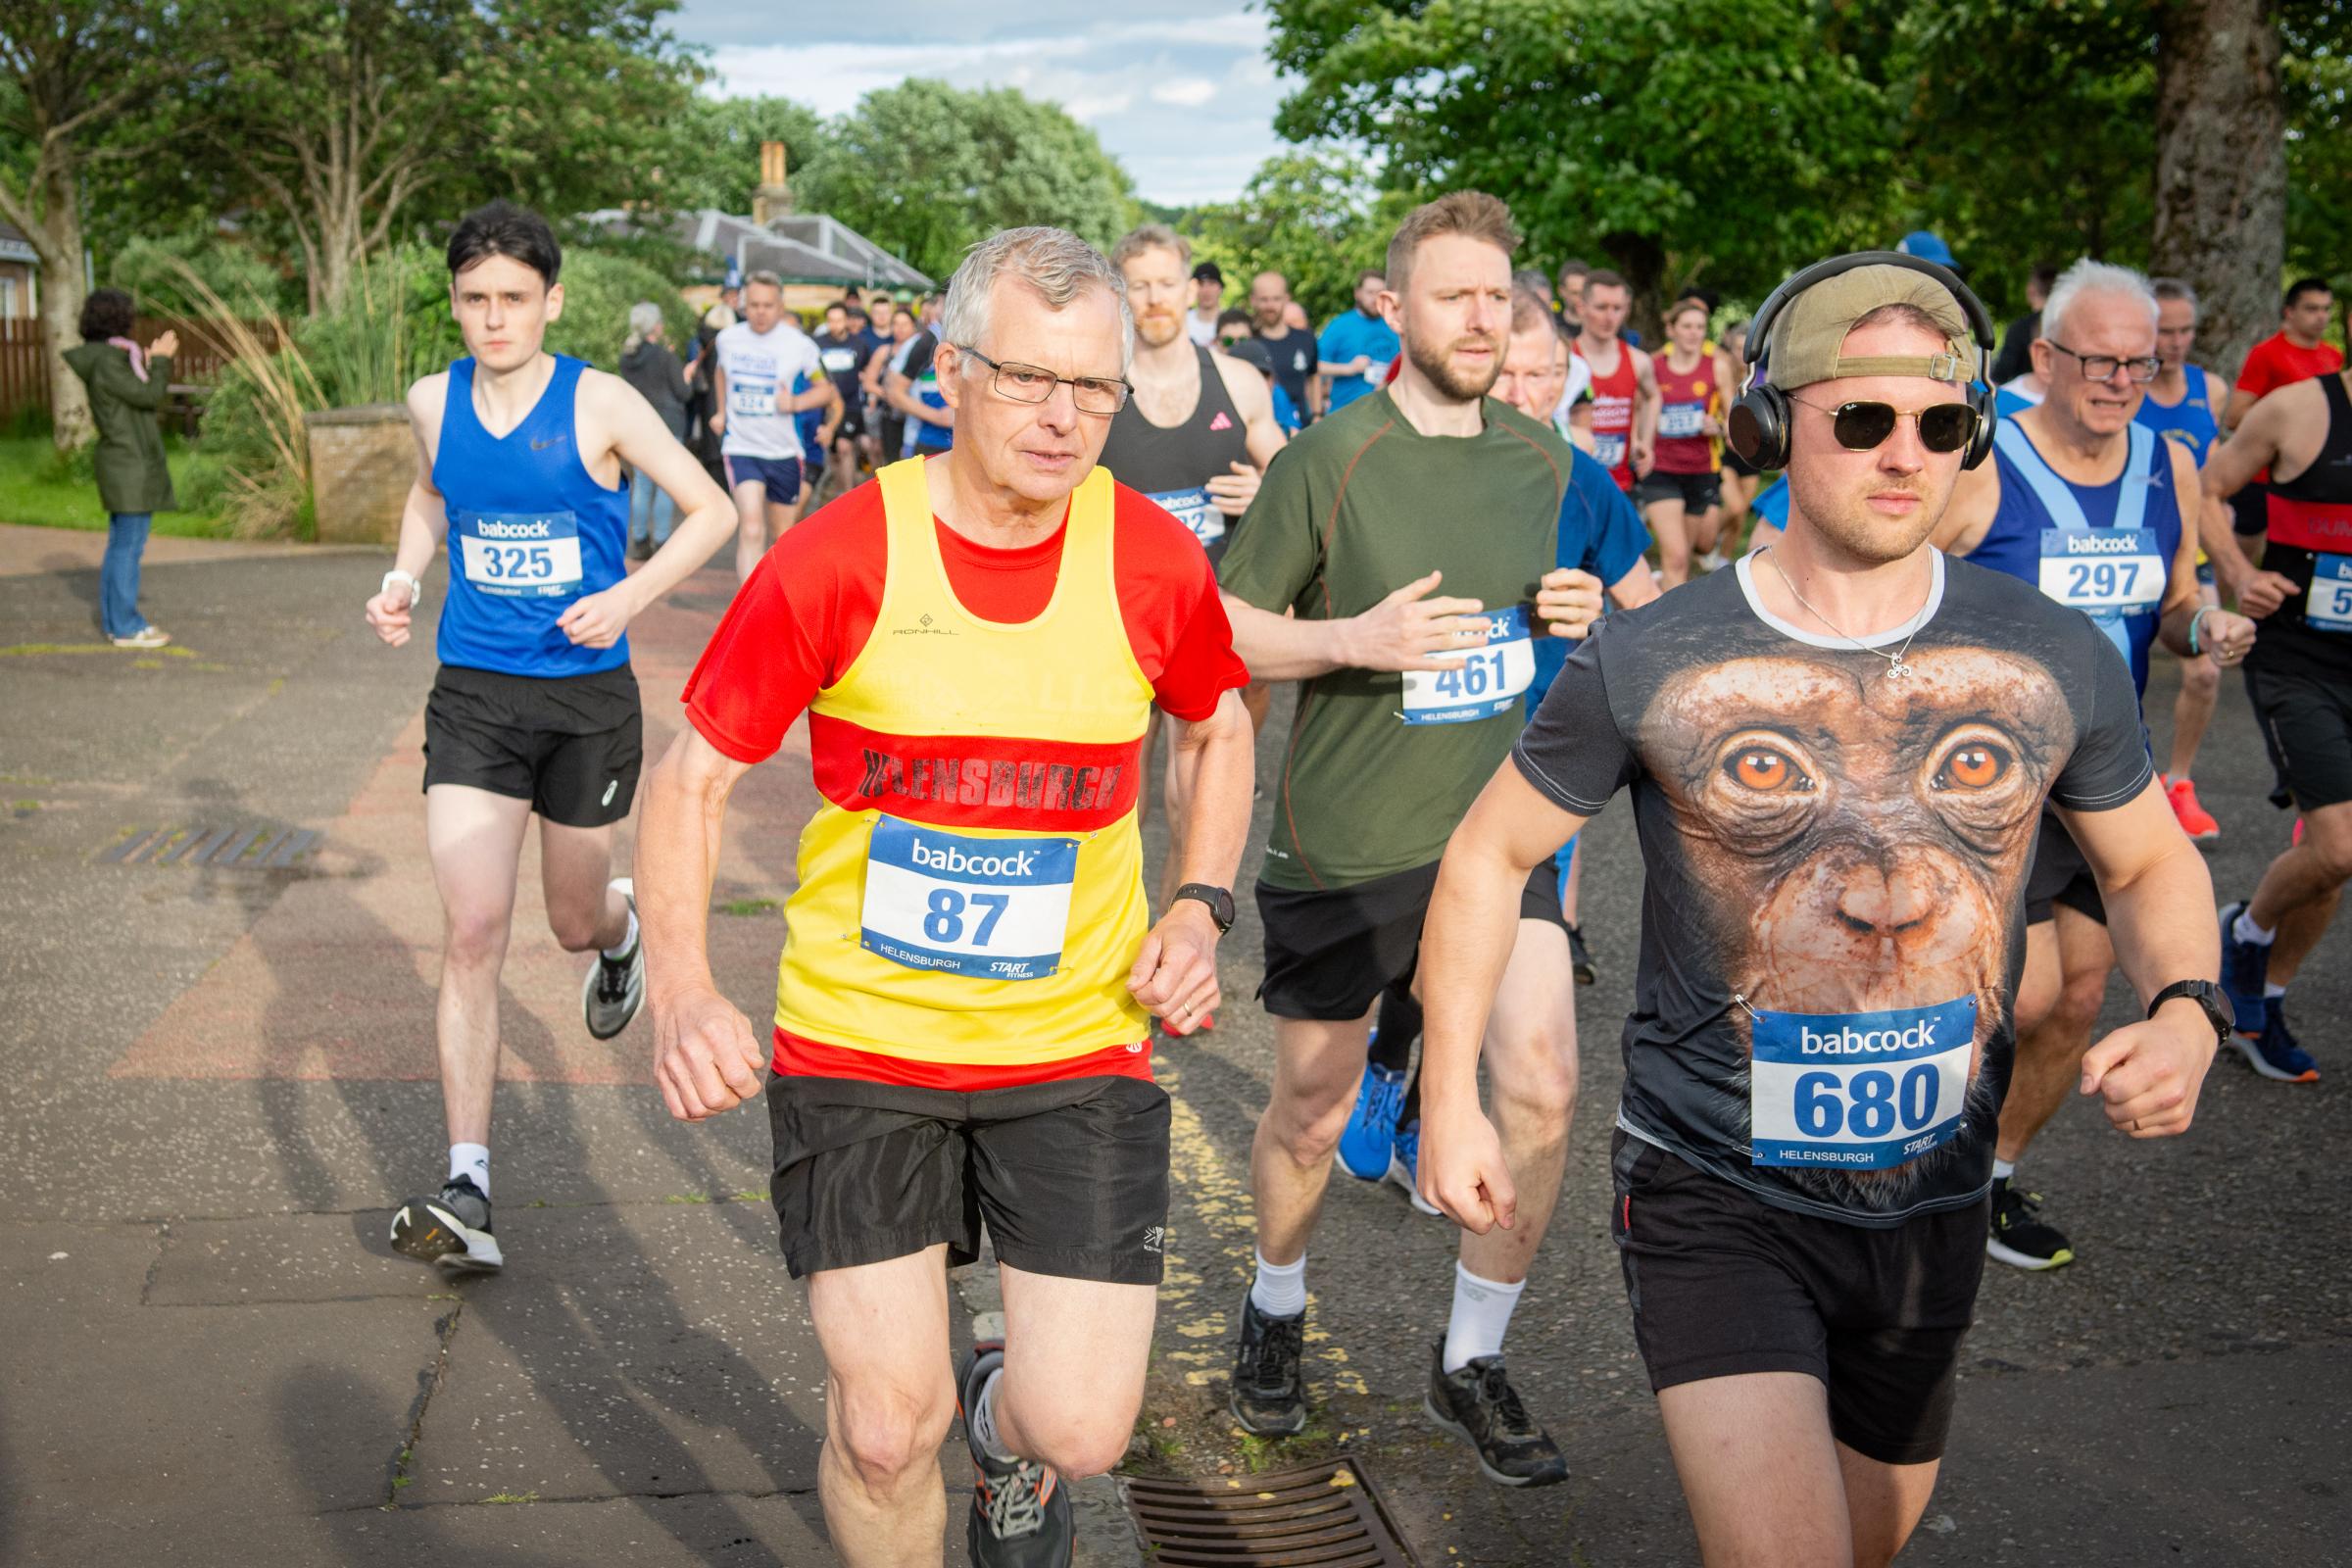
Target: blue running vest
[530,531]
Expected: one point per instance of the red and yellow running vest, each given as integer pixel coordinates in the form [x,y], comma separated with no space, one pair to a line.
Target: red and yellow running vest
[972,888]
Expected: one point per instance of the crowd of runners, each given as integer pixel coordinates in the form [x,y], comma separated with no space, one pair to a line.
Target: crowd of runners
[1878,705]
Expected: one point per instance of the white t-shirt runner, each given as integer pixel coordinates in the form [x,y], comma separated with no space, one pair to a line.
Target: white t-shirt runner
[760,367]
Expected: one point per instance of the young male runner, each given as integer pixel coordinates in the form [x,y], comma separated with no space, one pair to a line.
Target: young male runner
[533,709]
[1625,384]
[1679,494]
[760,361]
[843,348]
[2099,512]
[2184,404]
[962,1013]
[1405,703]
[2299,679]
[1838,752]
[1208,303]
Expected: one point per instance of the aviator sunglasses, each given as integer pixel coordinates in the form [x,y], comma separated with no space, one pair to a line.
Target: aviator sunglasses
[1861,426]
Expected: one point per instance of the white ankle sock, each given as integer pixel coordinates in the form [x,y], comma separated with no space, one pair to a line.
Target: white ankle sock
[1482,1315]
[2003,1169]
[2274,989]
[983,1421]
[627,941]
[470,1159]
[2245,930]
[1280,1290]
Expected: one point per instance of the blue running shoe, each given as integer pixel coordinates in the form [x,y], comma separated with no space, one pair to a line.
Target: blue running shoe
[2273,1052]
[2244,967]
[1363,1152]
[1405,1167]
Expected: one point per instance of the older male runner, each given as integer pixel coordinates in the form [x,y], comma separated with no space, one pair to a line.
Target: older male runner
[1405,703]
[1838,753]
[769,370]
[534,708]
[962,1014]
[2100,513]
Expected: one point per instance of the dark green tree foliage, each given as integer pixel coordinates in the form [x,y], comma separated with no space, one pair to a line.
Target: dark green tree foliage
[715,160]
[1308,215]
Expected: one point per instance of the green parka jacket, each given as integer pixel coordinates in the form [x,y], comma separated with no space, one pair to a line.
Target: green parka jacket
[131,474]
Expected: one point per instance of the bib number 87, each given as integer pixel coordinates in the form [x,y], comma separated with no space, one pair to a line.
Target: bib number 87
[1869,1103]
[944,921]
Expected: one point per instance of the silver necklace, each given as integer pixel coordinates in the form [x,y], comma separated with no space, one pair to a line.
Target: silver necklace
[1896,670]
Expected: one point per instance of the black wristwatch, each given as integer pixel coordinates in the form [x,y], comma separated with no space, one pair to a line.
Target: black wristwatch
[2205,994]
[1218,900]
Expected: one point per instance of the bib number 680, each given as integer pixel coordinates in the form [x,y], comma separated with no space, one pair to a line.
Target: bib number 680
[1870,1102]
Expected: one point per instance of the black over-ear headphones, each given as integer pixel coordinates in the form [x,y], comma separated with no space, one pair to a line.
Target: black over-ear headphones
[1758,426]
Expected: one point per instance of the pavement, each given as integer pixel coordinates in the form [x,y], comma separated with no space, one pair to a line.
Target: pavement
[219,1082]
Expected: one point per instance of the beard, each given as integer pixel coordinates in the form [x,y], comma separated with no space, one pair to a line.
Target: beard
[1157,331]
[1462,386]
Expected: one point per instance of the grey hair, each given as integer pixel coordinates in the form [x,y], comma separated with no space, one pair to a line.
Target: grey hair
[2087,276]
[763,275]
[2173,288]
[1055,262]
[645,319]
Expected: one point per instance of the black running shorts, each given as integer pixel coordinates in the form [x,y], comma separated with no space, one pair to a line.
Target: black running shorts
[1071,1177]
[2059,875]
[2307,724]
[1330,953]
[1695,491]
[571,746]
[1724,1283]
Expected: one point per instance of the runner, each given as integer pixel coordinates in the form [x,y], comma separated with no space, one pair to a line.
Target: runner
[887,359]
[843,348]
[2296,352]
[1208,303]
[2183,404]
[1835,805]
[1233,327]
[961,1026]
[2299,679]
[1679,494]
[1357,346]
[912,388]
[1194,437]
[1293,352]
[1625,388]
[1574,274]
[1380,764]
[2099,512]
[533,709]
[760,360]
[1741,480]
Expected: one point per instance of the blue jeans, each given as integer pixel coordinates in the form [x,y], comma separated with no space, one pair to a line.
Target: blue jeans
[649,502]
[118,574]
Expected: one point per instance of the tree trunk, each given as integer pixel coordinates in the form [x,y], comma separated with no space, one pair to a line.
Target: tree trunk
[2220,168]
[57,243]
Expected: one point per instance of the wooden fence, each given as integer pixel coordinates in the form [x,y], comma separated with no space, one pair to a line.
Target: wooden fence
[204,352]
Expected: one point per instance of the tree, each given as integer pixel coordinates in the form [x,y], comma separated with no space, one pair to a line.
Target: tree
[717,160]
[926,170]
[2221,165]
[1309,214]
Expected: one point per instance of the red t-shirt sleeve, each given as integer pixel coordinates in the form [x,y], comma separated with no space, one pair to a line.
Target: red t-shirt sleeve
[798,622]
[2262,373]
[1175,619]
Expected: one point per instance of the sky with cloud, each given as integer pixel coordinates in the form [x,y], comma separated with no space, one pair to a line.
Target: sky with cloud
[1185,100]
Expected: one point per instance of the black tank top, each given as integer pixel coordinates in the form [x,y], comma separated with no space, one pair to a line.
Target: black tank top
[2310,525]
[1173,466]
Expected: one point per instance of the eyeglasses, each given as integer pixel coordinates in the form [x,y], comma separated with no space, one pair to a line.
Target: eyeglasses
[2102,367]
[1031,383]
[1862,426]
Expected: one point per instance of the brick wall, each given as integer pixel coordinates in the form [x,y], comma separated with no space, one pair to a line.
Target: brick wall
[363,461]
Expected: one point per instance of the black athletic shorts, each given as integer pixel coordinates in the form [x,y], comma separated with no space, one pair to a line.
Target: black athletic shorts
[1695,491]
[853,419]
[571,745]
[2307,724]
[1071,1177]
[1724,1283]
[1330,953]
[2059,875]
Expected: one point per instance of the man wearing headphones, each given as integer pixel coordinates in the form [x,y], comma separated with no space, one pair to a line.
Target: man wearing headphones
[1839,753]
[2100,512]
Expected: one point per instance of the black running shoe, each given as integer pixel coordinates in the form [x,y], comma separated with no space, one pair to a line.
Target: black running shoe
[2020,1237]
[1269,1396]
[1479,1405]
[451,1230]
[1579,957]
[616,987]
[1020,1514]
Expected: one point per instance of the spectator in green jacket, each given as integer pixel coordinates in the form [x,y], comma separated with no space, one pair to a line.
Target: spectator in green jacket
[127,385]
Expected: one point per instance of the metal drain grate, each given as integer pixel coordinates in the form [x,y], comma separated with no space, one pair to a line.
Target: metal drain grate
[1324,1515]
[227,849]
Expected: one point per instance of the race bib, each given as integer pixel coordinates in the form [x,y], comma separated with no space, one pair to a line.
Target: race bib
[839,360]
[1490,680]
[1376,373]
[1196,512]
[1862,1091]
[2327,602]
[518,555]
[1683,419]
[2103,570]
[754,400]
[1610,448]
[986,909]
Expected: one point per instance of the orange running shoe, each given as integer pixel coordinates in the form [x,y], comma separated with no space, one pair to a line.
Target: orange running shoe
[2195,821]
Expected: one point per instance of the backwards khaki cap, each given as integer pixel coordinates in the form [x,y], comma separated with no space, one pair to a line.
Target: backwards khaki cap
[1812,327]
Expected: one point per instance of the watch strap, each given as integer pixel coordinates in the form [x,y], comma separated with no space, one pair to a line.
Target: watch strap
[1218,900]
[2206,995]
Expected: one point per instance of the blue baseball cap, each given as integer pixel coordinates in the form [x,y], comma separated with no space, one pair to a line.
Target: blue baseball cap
[1925,245]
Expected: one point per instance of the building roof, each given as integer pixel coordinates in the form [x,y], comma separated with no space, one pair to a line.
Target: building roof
[15,247]
[798,247]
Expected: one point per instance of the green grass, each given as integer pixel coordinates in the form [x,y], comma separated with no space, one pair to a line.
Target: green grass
[45,491]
